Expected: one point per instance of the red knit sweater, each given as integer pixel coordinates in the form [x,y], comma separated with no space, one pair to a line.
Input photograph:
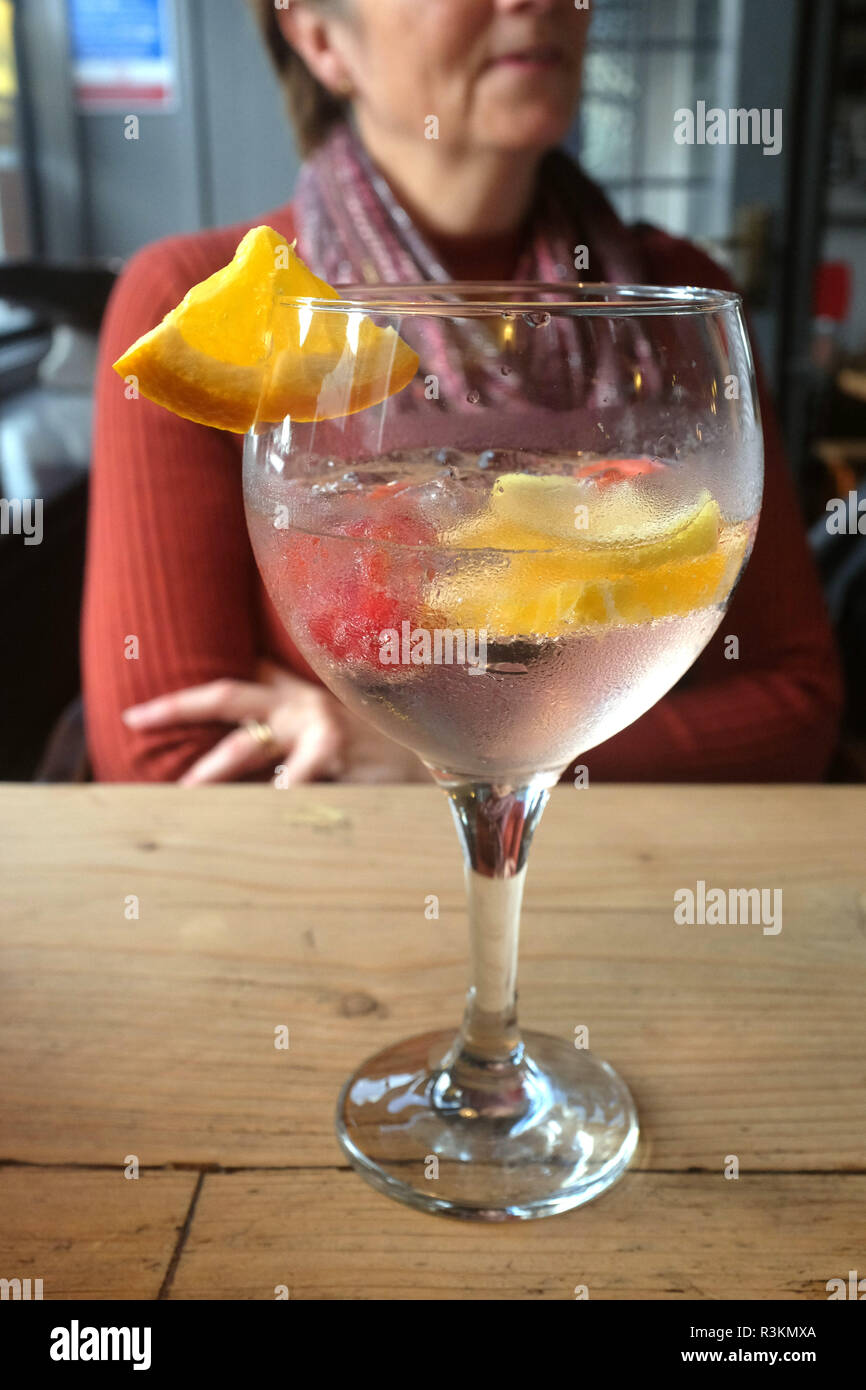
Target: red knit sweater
[169,564]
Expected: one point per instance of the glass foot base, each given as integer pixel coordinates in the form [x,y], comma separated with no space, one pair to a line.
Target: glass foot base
[545,1131]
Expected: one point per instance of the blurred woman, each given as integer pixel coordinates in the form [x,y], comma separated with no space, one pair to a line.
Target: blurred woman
[430,134]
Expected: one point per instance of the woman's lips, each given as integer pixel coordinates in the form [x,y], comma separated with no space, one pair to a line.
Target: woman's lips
[530,59]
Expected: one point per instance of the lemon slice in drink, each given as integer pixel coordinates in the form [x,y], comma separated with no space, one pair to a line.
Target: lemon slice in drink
[234,351]
[579,512]
[540,574]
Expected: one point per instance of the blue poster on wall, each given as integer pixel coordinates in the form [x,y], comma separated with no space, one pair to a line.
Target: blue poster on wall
[123,55]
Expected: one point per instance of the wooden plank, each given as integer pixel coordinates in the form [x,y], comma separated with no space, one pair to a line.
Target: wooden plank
[91,1234]
[259,908]
[653,1236]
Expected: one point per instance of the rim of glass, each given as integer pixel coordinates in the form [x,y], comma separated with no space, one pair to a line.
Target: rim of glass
[463,298]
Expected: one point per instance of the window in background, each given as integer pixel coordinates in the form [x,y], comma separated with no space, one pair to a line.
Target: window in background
[646,59]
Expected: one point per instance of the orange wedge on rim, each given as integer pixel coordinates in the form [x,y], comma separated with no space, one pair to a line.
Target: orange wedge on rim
[239,349]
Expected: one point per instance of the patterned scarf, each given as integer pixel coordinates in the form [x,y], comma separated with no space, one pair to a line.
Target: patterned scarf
[352,230]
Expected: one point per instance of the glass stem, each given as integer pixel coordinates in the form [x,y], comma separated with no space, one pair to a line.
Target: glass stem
[495,823]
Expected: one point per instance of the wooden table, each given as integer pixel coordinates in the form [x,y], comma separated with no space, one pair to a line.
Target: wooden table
[150,1038]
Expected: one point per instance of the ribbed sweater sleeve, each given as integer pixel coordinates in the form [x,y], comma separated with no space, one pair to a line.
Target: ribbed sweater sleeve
[170,577]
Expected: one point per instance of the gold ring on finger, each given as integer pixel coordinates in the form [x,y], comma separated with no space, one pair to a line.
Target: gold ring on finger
[262,733]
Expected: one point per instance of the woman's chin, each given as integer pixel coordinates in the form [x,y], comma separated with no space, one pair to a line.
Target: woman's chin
[528,129]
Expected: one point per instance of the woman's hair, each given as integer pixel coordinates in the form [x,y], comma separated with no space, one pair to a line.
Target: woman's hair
[312,108]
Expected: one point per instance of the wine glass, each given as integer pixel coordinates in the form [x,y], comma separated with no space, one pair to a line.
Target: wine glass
[501,565]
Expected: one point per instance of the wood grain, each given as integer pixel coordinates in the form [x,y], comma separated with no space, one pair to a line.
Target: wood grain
[89,1234]
[653,1236]
[306,908]
[260,908]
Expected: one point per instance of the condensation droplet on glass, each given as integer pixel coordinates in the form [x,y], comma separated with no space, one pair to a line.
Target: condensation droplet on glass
[537,320]
[448,456]
[508,314]
[474,397]
[506,371]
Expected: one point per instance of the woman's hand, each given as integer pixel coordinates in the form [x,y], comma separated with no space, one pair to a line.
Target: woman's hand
[313,735]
